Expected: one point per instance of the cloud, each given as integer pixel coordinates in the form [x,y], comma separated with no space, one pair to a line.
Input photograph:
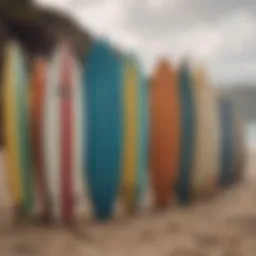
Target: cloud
[235,58]
[222,34]
[178,14]
[105,19]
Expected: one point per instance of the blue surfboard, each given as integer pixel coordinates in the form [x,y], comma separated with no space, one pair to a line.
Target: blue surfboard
[187,134]
[240,149]
[227,143]
[103,82]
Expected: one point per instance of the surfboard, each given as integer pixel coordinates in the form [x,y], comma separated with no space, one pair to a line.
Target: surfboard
[207,132]
[135,135]
[104,81]
[146,193]
[164,133]
[242,162]
[131,132]
[37,99]
[5,200]
[143,140]
[16,132]
[240,149]
[82,206]
[61,127]
[187,134]
[227,142]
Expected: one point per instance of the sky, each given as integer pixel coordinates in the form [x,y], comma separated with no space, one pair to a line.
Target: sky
[219,34]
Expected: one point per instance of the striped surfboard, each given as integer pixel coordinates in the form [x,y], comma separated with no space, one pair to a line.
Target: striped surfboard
[135,135]
[16,128]
[62,135]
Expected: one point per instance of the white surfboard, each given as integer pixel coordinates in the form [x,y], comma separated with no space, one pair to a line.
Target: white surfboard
[53,140]
[207,159]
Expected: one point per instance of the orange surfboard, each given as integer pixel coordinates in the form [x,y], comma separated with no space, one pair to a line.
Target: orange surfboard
[164,133]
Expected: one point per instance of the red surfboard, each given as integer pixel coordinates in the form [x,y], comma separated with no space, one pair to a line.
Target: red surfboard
[37,96]
[63,136]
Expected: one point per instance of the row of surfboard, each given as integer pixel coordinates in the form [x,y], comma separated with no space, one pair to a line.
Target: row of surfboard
[99,137]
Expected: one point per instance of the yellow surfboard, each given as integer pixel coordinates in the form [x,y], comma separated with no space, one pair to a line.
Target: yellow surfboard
[130,135]
[10,117]
[16,130]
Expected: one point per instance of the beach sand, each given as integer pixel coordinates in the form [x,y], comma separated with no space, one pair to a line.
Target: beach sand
[225,225]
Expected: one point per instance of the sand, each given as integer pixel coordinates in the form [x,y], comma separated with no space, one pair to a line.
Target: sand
[226,226]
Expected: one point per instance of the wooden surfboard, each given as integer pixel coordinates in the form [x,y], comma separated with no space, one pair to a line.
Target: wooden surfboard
[16,131]
[207,132]
[187,113]
[227,142]
[62,149]
[104,80]
[164,133]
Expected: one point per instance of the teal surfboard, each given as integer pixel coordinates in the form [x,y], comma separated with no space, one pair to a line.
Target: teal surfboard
[103,84]
[143,125]
[187,134]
